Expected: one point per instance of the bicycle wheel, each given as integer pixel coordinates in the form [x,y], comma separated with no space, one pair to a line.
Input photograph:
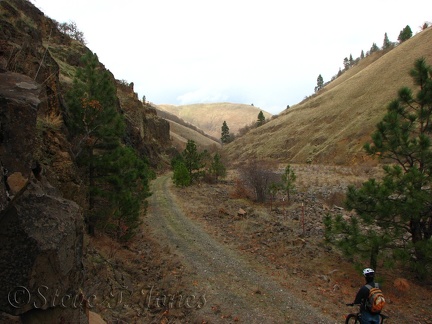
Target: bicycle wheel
[352,319]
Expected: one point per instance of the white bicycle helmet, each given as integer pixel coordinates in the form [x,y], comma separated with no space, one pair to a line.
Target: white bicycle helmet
[368,272]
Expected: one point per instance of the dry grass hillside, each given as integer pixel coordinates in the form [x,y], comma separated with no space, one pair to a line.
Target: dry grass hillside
[181,132]
[332,126]
[210,116]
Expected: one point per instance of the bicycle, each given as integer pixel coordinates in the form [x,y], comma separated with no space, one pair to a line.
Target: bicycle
[354,318]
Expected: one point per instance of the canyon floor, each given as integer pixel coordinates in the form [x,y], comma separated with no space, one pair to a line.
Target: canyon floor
[208,254]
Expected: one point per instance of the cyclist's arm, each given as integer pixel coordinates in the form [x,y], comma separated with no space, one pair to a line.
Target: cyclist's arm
[362,294]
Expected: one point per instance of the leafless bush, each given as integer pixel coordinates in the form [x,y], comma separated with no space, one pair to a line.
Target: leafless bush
[240,191]
[72,31]
[258,175]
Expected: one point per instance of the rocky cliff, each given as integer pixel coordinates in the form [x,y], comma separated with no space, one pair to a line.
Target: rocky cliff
[41,192]
[41,232]
[147,132]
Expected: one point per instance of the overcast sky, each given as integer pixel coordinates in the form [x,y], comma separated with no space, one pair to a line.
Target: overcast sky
[265,52]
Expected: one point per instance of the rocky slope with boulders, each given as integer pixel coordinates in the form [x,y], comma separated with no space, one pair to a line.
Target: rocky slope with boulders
[42,194]
[41,231]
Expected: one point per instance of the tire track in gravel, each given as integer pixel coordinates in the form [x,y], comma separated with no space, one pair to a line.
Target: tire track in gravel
[227,279]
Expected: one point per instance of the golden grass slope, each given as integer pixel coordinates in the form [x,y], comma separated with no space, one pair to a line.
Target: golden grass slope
[332,126]
[180,134]
[210,116]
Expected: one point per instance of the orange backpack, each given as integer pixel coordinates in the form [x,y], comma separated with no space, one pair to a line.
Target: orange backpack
[376,301]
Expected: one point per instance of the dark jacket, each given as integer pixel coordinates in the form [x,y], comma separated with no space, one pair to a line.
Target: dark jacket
[362,295]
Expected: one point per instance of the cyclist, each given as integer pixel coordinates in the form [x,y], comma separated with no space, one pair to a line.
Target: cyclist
[361,297]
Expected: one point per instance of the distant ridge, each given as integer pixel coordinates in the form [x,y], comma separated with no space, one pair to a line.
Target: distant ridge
[181,132]
[210,116]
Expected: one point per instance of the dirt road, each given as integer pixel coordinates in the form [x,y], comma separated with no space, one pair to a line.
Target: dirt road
[230,288]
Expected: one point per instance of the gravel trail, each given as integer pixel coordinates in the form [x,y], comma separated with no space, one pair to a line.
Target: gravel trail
[236,289]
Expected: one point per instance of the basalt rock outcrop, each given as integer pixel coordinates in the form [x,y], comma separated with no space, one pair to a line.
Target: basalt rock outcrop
[42,193]
[18,111]
[41,233]
[146,131]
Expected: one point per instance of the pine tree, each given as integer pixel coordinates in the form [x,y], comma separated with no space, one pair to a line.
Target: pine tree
[386,43]
[261,118]
[346,63]
[225,134]
[351,60]
[288,181]
[123,184]
[181,175]
[192,158]
[394,218]
[117,178]
[374,48]
[93,121]
[217,168]
[176,159]
[320,83]
[405,34]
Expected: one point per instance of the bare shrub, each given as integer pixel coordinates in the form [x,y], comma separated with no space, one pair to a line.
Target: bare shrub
[71,29]
[258,175]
